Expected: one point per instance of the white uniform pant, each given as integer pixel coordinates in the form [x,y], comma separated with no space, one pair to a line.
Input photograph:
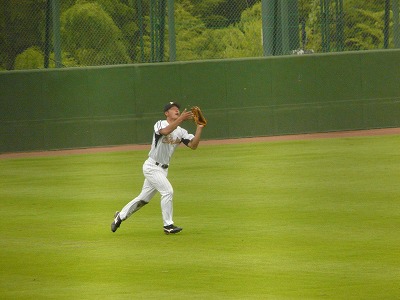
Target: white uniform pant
[155,180]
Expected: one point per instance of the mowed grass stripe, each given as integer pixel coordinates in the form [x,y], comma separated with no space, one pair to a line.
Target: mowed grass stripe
[310,219]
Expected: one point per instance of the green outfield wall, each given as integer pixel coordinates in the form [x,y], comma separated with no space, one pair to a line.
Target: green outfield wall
[97,106]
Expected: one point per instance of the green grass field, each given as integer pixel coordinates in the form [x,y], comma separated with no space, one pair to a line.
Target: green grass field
[310,219]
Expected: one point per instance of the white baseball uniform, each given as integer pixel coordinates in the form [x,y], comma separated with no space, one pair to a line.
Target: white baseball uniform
[155,170]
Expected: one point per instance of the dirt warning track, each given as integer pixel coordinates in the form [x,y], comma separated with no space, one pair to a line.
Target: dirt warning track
[339,134]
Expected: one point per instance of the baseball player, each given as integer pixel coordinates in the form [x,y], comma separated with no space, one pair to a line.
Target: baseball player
[167,136]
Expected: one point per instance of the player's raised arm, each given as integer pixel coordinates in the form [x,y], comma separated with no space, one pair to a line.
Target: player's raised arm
[194,143]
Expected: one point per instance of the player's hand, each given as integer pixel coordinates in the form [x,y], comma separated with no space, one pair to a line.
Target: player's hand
[186,115]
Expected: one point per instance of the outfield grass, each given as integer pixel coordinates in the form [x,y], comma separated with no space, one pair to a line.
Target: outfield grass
[311,219]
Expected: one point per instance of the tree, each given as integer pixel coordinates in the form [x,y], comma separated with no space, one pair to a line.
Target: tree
[242,39]
[91,36]
[220,13]
[33,58]
[363,25]
[196,41]
[21,26]
[98,32]
[125,18]
[189,31]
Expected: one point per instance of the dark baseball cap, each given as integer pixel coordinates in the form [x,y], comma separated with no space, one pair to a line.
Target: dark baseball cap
[171,104]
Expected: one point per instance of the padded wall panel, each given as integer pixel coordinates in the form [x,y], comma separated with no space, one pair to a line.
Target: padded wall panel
[295,119]
[98,106]
[72,133]
[22,135]
[113,131]
[346,115]
[382,113]
[259,122]
[22,96]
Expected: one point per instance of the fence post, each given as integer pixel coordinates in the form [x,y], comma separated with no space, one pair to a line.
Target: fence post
[56,32]
[157,26]
[268,25]
[339,25]
[140,21]
[162,11]
[47,35]
[325,25]
[396,24]
[171,31]
[386,25]
[293,23]
[285,26]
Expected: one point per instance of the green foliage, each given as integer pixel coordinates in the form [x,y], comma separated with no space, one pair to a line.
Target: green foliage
[125,19]
[363,24]
[250,45]
[16,34]
[189,31]
[33,58]
[313,26]
[196,41]
[366,35]
[304,219]
[220,13]
[91,36]
[99,32]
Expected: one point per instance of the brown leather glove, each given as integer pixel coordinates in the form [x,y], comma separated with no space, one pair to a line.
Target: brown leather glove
[198,116]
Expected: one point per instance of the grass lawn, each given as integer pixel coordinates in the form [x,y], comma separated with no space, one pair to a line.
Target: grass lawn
[311,219]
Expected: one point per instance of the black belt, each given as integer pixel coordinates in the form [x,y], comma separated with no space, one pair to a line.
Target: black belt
[162,166]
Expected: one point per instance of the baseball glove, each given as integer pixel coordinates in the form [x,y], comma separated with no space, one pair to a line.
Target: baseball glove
[198,116]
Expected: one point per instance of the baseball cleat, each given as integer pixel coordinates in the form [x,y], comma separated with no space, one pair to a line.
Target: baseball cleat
[172,229]
[116,223]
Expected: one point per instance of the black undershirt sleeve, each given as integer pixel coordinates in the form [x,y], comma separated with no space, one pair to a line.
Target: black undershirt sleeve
[185,141]
[156,139]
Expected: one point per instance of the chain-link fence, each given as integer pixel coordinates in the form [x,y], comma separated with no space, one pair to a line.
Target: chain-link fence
[68,33]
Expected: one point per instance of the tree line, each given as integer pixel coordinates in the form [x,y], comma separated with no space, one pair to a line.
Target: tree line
[105,32]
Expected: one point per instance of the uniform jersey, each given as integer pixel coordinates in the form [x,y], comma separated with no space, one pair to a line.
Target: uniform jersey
[163,147]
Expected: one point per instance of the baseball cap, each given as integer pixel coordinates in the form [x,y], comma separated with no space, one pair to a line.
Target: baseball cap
[171,104]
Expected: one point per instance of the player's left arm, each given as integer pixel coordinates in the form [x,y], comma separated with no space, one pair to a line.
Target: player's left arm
[194,142]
